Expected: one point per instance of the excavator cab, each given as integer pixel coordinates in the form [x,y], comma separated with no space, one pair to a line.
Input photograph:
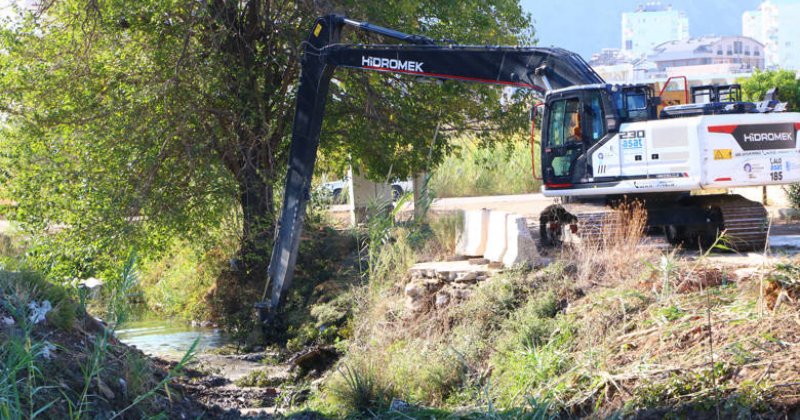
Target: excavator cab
[575,121]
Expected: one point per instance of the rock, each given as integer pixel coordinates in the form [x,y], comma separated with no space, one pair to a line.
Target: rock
[414,289]
[104,389]
[520,246]
[478,261]
[317,358]
[7,321]
[744,274]
[497,237]
[496,265]
[472,240]
[123,385]
[205,324]
[468,277]
[462,294]
[399,405]
[442,299]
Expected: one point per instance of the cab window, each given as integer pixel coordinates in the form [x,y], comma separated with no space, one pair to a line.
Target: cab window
[598,127]
[557,124]
[572,121]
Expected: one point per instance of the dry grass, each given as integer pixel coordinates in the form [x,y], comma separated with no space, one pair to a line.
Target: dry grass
[617,251]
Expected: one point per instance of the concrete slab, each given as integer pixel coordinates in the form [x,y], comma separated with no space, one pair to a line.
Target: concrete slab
[497,237]
[474,231]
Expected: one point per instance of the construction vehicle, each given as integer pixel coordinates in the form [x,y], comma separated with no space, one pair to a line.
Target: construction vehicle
[600,142]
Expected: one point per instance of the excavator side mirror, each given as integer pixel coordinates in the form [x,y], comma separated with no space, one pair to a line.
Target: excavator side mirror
[536,110]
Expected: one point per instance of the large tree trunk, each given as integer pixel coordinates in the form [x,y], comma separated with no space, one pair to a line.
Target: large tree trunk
[256,196]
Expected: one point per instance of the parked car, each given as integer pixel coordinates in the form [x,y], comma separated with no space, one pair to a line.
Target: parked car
[336,189]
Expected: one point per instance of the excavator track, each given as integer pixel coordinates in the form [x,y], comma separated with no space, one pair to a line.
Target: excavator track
[745,223]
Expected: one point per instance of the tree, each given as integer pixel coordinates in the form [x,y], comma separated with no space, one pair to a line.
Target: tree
[131,122]
[756,86]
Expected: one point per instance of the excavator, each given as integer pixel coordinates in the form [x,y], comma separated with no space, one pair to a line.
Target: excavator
[601,143]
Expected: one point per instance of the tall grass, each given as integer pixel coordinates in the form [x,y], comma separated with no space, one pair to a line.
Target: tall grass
[473,170]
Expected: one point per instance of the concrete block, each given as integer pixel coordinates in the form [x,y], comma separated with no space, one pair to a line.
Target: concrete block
[496,236]
[366,194]
[520,246]
[472,241]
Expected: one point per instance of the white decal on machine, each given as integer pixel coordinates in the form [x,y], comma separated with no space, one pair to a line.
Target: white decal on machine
[391,63]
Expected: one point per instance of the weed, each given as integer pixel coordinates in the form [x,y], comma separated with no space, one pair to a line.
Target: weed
[359,390]
[446,229]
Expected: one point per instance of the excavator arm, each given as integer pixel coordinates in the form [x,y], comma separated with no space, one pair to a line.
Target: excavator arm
[539,69]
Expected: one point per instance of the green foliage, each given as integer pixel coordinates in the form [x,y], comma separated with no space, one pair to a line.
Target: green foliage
[700,388]
[132,123]
[177,283]
[756,86]
[261,378]
[472,170]
[18,289]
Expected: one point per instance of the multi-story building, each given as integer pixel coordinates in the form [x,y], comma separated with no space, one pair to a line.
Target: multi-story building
[775,24]
[650,25]
[733,54]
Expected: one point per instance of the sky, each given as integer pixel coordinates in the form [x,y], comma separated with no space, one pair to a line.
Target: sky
[587,26]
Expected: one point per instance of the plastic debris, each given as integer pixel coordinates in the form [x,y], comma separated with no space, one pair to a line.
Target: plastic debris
[38,312]
[47,349]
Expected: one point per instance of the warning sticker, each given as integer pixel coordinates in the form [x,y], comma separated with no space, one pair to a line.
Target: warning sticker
[723,154]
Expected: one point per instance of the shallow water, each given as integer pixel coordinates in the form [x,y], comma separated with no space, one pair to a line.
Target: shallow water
[169,338]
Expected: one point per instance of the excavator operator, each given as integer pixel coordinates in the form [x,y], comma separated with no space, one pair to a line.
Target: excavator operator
[574,128]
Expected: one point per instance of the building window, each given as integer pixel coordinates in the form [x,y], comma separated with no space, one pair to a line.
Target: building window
[719,52]
[629,44]
[737,47]
[756,52]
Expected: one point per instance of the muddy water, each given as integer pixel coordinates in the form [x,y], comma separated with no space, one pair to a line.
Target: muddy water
[169,339]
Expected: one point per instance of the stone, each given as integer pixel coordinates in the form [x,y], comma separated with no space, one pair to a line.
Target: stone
[478,261]
[520,246]
[474,231]
[467,277]
[442,299]
[104,389]
[462,294]
[414,289]
[399,405]
[497,237]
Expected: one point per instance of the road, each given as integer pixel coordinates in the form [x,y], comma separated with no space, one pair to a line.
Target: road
[785,234]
